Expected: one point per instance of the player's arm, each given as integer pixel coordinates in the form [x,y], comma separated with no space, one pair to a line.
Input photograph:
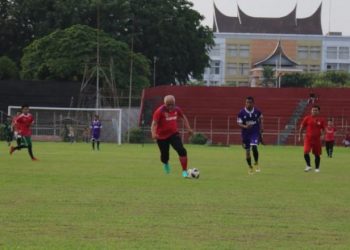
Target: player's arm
[241,125]
[261,121]
[154,129]
[301,130]
[187,125]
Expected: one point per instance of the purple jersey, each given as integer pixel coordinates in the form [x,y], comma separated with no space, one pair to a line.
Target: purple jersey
[250,136]
[95,129]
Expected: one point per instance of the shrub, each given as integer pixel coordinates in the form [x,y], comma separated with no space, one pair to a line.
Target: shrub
[198,139]
[136,135]
[8,69]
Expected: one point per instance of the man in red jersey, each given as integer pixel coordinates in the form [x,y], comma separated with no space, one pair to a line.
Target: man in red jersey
[315,127]
[329,137]
[164,130]
[23,124]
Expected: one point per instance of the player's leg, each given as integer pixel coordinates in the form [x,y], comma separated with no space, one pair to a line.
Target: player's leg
[331,146]
[246,146]
[307,149]
[256,157]
[177,144]
[93,143]
[164,146]
[28,143]
[21,143]
[317,151]
[98,143]
[328,148]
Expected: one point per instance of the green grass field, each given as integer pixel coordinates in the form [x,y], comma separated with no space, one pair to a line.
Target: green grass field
[119,198]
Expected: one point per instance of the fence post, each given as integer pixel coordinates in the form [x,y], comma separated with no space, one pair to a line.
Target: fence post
[295,132]
[194,123]
[54,123]
[278,131]
[211,129]
[228,131]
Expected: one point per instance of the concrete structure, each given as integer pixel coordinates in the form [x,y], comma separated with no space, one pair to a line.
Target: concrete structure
[245,45]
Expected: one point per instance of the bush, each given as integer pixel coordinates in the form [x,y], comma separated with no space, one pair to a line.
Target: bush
[136,135]
[198,139]
[8,69]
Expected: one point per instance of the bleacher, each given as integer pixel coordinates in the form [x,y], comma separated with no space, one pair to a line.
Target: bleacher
[213,110]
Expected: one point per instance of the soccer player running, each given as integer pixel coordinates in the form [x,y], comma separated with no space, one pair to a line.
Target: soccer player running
[164,129]
[250,120]
[314,126]
[23,125]
[329,137]
[96,127]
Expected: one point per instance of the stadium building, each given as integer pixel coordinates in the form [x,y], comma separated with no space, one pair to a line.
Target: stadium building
[246,44]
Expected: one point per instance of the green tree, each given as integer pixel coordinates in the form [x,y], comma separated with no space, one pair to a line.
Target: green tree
[172,32]
[297,80]
[63,54]
[338,78]
[268,74]
[8,69]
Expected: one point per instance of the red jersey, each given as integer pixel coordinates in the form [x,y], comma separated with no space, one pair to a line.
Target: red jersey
[329,136]
[167,121]
[23,123]
[314,125]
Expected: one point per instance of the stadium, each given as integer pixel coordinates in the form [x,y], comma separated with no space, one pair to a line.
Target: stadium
[97,174]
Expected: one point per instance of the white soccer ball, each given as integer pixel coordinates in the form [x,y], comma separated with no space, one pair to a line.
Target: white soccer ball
[193,173]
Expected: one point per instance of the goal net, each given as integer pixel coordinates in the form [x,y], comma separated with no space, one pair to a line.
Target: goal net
[58,124]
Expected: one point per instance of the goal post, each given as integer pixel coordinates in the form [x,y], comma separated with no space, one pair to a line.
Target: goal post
[54,123]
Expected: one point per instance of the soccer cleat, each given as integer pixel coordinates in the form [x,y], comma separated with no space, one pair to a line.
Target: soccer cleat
[166,168]
[307,169]
[257,168]
[35,159]
[184,174]
[12,149]
[317,170]
[251,171]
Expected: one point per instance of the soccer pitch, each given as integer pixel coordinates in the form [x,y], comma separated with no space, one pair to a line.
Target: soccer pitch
[119,198]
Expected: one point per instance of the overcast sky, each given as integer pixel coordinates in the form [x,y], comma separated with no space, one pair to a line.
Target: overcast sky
[335,13]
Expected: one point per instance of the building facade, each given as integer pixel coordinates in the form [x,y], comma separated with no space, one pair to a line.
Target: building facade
[244,45]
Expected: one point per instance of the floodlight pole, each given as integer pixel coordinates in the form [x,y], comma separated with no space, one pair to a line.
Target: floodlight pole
[130,79]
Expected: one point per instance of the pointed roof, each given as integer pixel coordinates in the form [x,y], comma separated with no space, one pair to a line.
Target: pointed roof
[288,24]
[278,55]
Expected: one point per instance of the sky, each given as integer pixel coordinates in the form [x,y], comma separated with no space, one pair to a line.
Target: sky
[335,13]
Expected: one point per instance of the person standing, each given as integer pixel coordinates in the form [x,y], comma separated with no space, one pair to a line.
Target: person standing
[24,123]
[96,127]
[250,120]
[315,126]
[329,137]
[164,129]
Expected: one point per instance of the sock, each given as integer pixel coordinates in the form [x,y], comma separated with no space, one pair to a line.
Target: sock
[249,161]
[255,154]
[93,145]
[183,161]
[98,145]
[30,151]
[307,159]
[317,161]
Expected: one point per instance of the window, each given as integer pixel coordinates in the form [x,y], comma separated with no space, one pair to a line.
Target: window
[344,67]
[331,66]
[343,52]
[215,51]
[231,69]
[315,52]
[303,52]
[232,50]
[244,69]
[314,68]
[215,68]
[244,50]
[332,52]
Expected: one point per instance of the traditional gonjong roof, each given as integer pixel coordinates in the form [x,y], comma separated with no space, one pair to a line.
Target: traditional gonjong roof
[279,57]
[288,24]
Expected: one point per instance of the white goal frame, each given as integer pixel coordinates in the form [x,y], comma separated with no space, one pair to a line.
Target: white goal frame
[119,129]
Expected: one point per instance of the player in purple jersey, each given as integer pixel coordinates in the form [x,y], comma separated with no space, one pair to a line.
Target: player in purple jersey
[95,127]
[250,119]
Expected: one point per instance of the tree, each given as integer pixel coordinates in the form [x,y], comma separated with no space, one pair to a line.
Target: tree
[267,75]
[8,69]
[63,54]
[297,80]
[172,31]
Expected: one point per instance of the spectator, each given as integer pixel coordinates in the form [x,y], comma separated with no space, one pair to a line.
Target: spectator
[312,98]
[71,134]
[346,140]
